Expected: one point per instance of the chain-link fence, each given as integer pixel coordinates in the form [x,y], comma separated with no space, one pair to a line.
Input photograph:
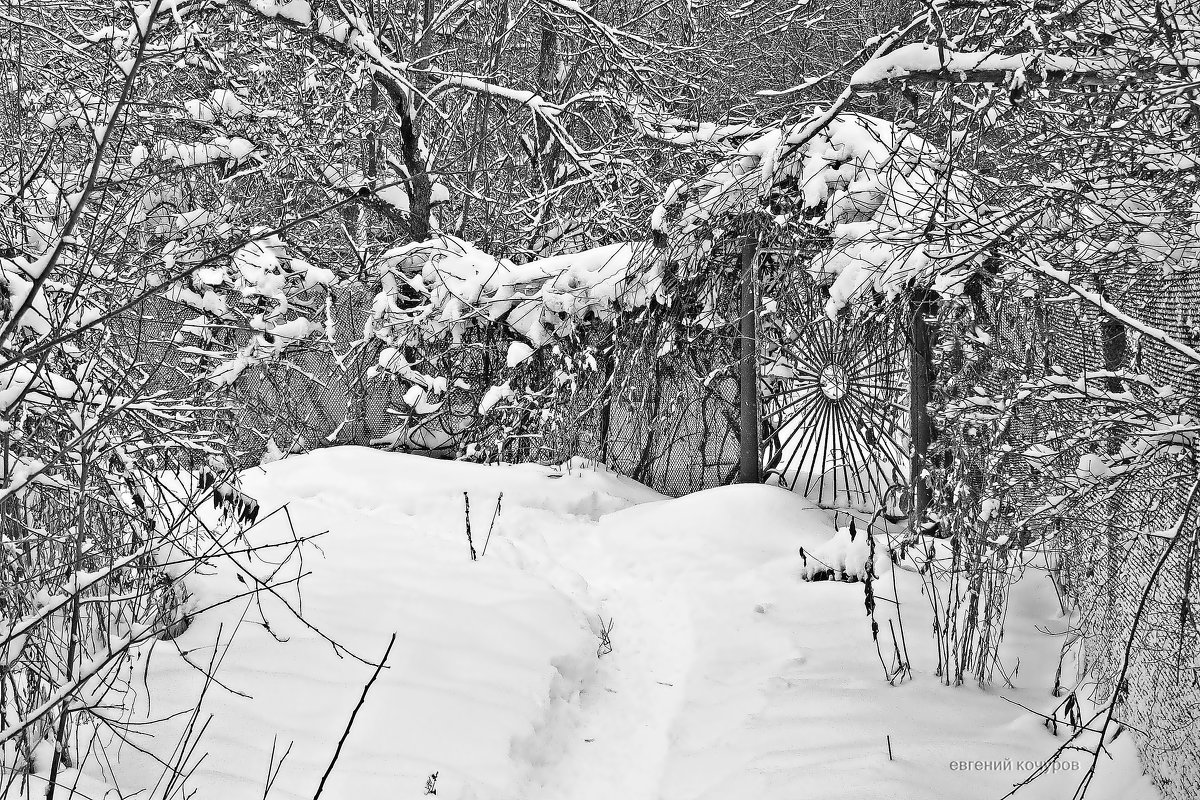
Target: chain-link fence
[1081,389]
[1118,544]
[668,420]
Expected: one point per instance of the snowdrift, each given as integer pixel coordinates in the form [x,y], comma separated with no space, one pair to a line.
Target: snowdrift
[610,643]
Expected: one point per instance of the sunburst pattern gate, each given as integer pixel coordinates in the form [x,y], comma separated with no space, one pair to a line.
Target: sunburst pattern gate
[834,392]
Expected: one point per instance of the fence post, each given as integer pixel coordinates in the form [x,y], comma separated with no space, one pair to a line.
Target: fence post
[920,376]
[608,359]
[353,429]
[749,460]
[1114,344]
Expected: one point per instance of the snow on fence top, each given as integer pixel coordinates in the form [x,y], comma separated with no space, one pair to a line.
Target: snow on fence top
[874,187]
[459,286]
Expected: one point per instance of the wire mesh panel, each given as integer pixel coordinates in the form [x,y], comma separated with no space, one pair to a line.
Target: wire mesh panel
[321,391]
[1078,388]
[1119,549]
[673,424]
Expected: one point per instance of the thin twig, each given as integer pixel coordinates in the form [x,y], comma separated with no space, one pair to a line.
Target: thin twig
[470,543]
[495,515]
[349,725]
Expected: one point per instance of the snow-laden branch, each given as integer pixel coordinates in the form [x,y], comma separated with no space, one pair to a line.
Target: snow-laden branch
[40,269]
[876,188]
[541,108]
[532,100]
[1095,299]
[929,62]
[654,122]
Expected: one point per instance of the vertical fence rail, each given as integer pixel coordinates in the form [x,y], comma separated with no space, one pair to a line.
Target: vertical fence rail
[750,459]
[920,382]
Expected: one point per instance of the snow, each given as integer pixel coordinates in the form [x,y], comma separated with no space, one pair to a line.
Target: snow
[517,353]
[464,286]
[220,148]
[658,218]
[875,186]
[198,110]
[726,675]
[418,399]
[650,122]
[196,326]
[844,557]
[536,104]
[209,301]
[922,58]
[493,396]
[297,11]
[1093,467]
[273,339]
[15,274]
[394,194]
[219,101]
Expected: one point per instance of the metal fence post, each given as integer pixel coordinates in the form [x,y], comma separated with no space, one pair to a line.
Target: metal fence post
[608,362]
[920,378]
[749,457]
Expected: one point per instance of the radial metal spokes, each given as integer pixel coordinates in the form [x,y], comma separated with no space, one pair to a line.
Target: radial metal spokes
[838,422]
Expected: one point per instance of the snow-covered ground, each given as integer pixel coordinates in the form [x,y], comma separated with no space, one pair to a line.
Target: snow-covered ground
[727,678]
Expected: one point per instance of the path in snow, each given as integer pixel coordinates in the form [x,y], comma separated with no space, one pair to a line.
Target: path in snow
[776,691]
[694,652]
[728,676]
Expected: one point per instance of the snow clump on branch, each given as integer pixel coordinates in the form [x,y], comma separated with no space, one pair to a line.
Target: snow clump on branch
[875,188]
